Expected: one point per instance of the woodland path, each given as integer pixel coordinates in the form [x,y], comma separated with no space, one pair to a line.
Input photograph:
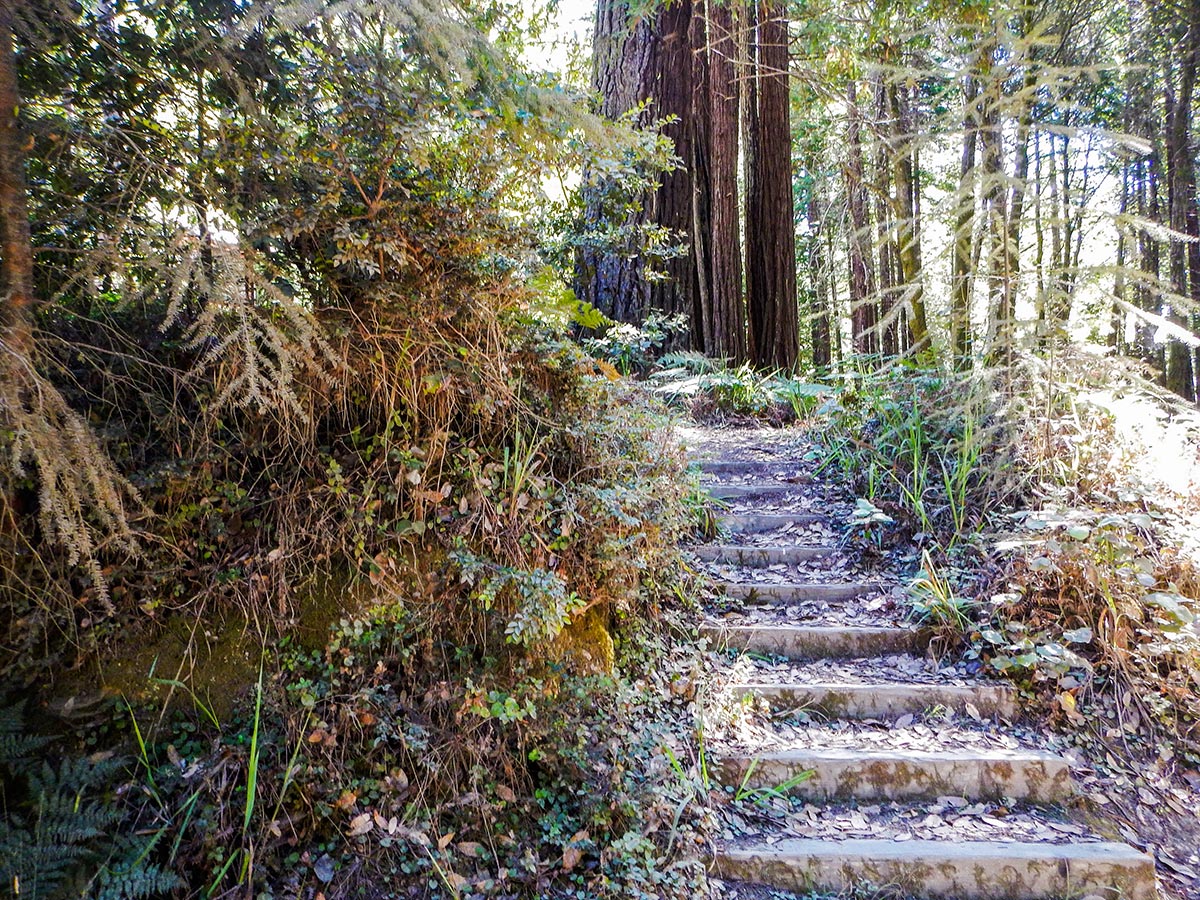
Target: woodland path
[922,778]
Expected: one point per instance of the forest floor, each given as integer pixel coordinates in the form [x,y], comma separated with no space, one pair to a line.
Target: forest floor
[833,723]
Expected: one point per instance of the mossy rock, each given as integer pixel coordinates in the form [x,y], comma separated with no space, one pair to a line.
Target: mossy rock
[585,644]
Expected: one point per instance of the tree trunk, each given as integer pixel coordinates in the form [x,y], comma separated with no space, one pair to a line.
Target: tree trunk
[1007,313]
[672,92]
[964,222]
[715,230]
[16,246]
[995,203]
[1116,338]
[863,314]
[907,236]
[1179,174]
[819,315]
[614,279]
[889,277]
[770,231]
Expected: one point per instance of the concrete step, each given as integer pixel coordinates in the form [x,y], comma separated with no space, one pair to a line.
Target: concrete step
[861,774]
[747,466]
[853,700]
[817,641]
[974,870]
[757,523]
[760,557]
[796,593]
[744,491]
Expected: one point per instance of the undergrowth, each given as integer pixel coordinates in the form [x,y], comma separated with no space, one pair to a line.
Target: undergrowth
[405,551]
[1052,502]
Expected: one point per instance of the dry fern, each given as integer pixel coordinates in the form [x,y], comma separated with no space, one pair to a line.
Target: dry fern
[255,339]
[84,503]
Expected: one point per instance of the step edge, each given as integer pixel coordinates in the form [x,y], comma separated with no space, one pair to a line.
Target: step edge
[855,755]
[814,629]
[875,685]
[882,848]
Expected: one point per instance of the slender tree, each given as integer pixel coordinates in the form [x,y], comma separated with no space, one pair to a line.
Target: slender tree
[863,312]
[964,219]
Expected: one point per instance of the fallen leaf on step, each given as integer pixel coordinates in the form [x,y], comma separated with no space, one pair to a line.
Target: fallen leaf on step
[1180,868]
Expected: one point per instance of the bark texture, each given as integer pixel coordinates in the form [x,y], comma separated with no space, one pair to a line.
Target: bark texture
[671,90]
[864,315]
[719,307]
[964,227]
[614,281]
[770,232]
[16,249]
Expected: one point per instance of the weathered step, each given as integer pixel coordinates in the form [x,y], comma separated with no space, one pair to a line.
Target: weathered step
[796,593]
[973,870]
[751,491]
[817,641]
[760,557]
[757,523]
[745,466]
[853,700]
[862,774]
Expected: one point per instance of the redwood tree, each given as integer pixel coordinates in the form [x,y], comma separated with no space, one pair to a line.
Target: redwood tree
[614,279]
[16,248]
[719,309]
[770,232]
[671,91]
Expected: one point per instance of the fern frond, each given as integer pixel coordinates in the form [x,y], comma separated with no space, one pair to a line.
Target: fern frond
[144,880]
[16,746]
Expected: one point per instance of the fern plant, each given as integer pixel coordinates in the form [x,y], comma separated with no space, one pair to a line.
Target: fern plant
[59,830]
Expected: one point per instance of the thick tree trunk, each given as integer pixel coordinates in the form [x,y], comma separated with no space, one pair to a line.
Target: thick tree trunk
[671,89]
[614,279]
[16,246]
[716,233]
[1188,188]
[863,314]
[964,226]
[770,231]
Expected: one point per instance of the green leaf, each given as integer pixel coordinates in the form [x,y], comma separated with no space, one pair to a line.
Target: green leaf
[1173,605]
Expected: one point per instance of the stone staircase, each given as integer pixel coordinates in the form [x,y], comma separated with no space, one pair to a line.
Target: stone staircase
[898,773]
